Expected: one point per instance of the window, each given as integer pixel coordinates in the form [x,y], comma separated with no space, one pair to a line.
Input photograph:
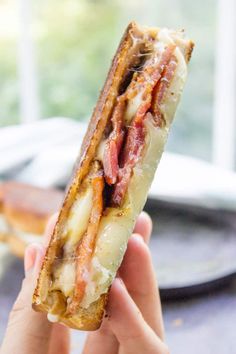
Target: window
[9,98]
[69,50]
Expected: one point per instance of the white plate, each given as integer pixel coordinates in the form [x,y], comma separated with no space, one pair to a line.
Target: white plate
[186,180]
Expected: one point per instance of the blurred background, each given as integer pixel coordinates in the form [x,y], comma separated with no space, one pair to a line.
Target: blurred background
[54,59]
[53,63]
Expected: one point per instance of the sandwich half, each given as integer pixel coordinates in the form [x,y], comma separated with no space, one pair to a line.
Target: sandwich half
[24,213]
[119,155]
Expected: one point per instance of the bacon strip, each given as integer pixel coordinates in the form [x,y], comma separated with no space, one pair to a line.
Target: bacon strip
[114,143]
[160,90]
[157,83]
[129,157]
[150,75]
[86,246]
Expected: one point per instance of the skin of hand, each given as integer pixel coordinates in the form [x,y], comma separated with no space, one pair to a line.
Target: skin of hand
[133,323]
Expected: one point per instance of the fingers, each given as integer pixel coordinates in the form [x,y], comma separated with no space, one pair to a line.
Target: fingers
[49,229]
[143,226]
[30,256]
[128,324]
[139,277]
[30,330]
[34,255]
[60,335]
[60,340]
[102,341]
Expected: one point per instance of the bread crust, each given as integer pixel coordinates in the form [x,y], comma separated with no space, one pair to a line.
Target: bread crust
[87,319]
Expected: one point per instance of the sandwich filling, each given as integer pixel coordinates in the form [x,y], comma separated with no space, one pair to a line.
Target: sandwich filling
[113,193]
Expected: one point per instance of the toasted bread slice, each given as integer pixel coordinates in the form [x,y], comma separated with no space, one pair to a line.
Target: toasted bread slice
[140,95]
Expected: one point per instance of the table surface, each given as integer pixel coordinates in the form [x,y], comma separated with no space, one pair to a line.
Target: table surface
[204,324]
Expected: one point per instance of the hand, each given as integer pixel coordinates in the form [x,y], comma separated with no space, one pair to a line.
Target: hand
[29,332]
[134,323]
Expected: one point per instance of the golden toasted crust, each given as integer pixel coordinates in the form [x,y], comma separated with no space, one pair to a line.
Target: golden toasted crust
[90,318]
[188,51]
[86,319]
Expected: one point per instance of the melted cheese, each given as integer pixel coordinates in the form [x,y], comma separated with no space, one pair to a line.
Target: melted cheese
[76,226]
[65,277]
[78,218]
[132,106]
[100,150]
[115,228]
[53,318]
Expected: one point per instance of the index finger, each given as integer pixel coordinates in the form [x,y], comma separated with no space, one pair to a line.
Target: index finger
[49,229]
[143,226]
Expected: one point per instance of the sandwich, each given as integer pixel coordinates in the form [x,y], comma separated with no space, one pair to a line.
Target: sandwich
[111,178]
[24,213]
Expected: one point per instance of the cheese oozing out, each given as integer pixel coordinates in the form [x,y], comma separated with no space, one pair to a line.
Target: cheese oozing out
[53,318]
[77,222]
[78,218]
[116,224]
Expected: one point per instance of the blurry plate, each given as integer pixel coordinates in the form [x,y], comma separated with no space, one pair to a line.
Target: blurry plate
[193,248]
[195,182]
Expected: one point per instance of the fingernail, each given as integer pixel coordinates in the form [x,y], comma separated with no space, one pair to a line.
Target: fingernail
[30,259]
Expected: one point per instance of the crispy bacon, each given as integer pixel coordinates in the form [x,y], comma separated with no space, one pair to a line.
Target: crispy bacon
[157,80]
[129,157]
[161,65]
[86,246]
[114,143]
[110,161]
[160,90]
[150,75]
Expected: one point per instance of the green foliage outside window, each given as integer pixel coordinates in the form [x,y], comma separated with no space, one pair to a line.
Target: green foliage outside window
[75,41]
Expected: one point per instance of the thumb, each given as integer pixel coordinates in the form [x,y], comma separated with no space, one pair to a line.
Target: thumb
[27,331]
